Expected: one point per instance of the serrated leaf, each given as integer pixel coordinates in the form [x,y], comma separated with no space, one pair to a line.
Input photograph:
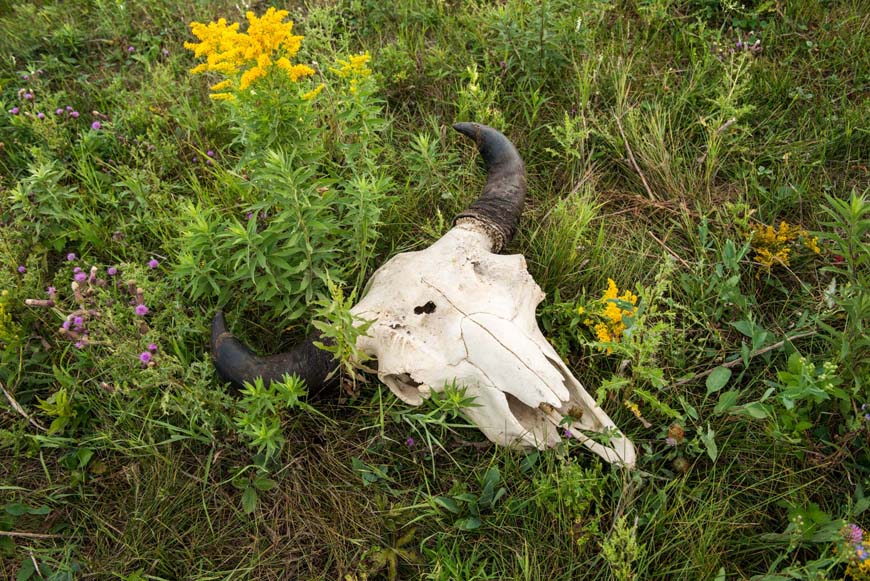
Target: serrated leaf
[718,379]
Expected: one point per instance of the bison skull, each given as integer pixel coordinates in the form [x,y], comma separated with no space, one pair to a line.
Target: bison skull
[459,313]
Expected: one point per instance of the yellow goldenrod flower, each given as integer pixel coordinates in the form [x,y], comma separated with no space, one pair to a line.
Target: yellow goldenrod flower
[222,97]
[608,320]
[313,92]
[225,84]
[632,407]
[354,66]
[354,69]
[773,246]
[268,42]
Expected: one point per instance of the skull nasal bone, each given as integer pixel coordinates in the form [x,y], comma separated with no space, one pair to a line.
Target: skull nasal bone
[428,308]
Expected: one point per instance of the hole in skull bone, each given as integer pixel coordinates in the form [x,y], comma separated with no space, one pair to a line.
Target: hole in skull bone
[405,387]
[428,308]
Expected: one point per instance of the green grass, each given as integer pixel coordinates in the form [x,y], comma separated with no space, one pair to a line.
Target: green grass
[650,159]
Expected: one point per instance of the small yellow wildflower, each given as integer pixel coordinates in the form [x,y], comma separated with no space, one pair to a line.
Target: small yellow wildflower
[632,407]
[313,92]
[607,320]
[225,84]
[354,68]
[222,97]
[774,246]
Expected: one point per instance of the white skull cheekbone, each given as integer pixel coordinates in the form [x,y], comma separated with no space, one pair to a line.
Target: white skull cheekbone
[458,313]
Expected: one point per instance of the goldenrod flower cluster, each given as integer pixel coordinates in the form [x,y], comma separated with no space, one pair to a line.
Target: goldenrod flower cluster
[354,68]
[774,245]
[606,318]
[268,44]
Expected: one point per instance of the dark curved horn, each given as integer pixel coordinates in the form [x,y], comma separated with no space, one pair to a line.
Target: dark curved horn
[237,364]
[500,205]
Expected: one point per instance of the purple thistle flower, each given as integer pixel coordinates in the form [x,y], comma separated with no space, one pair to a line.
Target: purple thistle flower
[249,215]
[145,357]
[77,270]
[96,125]
[153,263]
[78,321]
[39,71]
[152,347]
[165,52]
[14,111]
[66,324]
[74,114]
[80,345]
[58,111]
[856,535]
[40,115]
[71,256]
[22,269]
[209,153]
[672,442]
[51,291]
[567,433]
[141,310]
[410,442]
[69,108]
[26,77]
[80,276]
[112,271]
[131,49]
[28,96]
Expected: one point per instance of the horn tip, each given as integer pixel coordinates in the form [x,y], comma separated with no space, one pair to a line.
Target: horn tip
[218,328]
[471,130]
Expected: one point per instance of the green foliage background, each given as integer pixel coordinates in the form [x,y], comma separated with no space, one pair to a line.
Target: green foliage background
[654,144]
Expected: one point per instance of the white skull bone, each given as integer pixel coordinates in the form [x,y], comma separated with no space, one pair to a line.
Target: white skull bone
[458,313]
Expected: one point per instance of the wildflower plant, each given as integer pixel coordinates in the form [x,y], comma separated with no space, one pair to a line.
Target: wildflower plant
[776,246]
[306,176]
[611,316]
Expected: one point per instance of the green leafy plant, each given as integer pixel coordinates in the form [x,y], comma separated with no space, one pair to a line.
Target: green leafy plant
[261,408]
[468,507]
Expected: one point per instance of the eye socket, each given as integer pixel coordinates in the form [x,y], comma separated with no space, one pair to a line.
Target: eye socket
[428,309]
